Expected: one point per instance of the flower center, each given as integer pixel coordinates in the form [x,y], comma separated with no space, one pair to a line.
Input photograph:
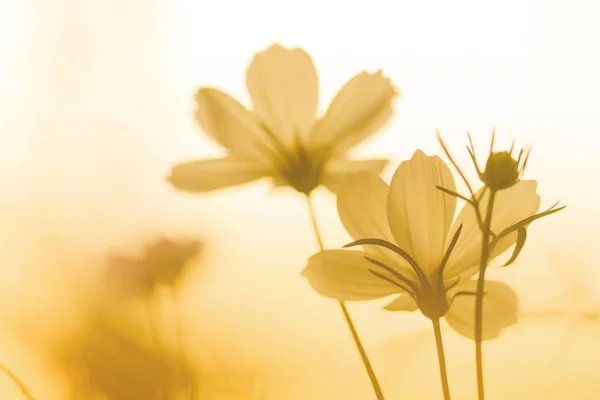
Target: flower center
[297,166]
[433,305]
[428,292]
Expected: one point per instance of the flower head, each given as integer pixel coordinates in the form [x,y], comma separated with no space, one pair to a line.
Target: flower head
[501,169]
[281,137]
[162,263]
[412,247]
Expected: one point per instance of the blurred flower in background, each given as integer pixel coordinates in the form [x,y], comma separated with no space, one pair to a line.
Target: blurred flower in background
[110,358]
[114,354]
[162,263]
[282,138]
[120,350]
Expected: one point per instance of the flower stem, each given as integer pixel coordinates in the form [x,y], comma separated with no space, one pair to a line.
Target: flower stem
[154,334]
[347,317]
[485,255]
[439,344]
[313,220]
[183,367]
[17,382]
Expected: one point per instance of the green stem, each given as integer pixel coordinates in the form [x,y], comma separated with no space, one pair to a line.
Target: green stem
[347,317]
[17,381]
[439,344]
[485,255]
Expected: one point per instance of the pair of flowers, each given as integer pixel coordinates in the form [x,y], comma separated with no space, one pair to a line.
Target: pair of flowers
[413,216]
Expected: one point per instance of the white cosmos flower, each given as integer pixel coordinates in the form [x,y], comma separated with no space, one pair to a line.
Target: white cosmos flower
[281,137]
[411,215]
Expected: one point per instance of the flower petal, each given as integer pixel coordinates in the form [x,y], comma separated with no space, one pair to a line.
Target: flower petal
[500,309]
[361,204]
[284,89]
[510,206]
[337,169]
[418,213]
[230,124]
[208,175]
[402,303]
[358,111]
[345,275]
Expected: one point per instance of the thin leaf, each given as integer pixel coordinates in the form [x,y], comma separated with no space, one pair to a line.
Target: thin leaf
[529,220]
[461,293]
[391,246]
[471,151]
[393,282]
[447,255]
[454,164]
[396,274]
[450,192]
[521,237]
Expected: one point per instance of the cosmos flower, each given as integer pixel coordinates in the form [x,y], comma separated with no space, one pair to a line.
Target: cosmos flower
[413,249]
[162,263]
[281,137]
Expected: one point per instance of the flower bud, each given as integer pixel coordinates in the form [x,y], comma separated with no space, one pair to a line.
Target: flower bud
[501,171]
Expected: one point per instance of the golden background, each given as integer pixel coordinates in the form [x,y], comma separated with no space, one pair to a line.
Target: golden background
[96,105]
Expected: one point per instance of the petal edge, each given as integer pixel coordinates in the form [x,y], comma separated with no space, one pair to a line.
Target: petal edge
[419,214]
[344,275]
[360,109]
[500,310]
[283,85]
[212,174]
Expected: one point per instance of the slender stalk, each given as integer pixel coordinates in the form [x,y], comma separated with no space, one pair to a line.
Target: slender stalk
[17,381]
[180,343]
[439,344]
[347,317]
[154,335]
[313,220]
[485,255]
[178,328]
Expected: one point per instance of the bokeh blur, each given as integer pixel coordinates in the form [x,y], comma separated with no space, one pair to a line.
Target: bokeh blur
[97,105]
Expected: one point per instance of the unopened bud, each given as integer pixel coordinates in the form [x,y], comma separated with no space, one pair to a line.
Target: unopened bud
[501,171]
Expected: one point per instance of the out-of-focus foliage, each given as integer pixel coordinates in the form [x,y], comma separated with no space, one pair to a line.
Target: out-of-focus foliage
[120,352]
[107,360]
